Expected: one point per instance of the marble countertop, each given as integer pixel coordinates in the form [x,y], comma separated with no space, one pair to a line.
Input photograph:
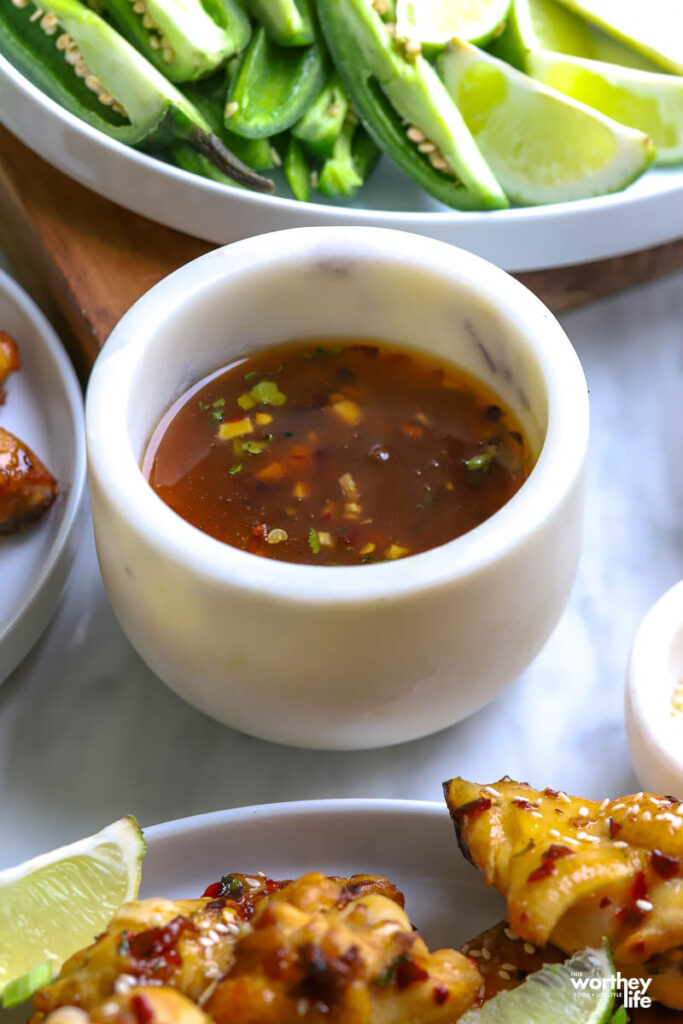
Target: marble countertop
[87,733]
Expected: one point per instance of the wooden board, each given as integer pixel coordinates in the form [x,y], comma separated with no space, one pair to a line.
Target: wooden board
[86,260]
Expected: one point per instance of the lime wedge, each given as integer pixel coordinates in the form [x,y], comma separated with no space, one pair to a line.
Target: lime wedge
[557,994]
[55,904]
[542,146]
[653,103]
[654,29]
[435,22]
[547,25]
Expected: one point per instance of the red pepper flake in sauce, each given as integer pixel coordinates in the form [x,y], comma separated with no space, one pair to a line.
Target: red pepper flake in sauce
[554,852]
[432,451]
[664,866]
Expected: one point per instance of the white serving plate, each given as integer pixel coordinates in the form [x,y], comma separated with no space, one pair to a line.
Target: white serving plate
[44,407]
[410,841]
[648,213]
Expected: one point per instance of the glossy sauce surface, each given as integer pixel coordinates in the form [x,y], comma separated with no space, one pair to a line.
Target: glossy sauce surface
[337,453]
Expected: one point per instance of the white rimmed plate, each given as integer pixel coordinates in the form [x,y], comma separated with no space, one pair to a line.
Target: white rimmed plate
[647,213]
[44,407]
[410,841]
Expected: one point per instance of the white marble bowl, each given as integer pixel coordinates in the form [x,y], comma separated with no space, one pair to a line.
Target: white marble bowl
[655,671]
[338,657]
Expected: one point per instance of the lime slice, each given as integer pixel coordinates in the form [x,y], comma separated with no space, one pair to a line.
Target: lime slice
[653,103]
[542,146]
[654,29]
[55,904]
[435,22]
[547,25]
[557,994]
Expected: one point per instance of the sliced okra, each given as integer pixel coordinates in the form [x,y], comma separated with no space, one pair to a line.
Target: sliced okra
[320,126]
[287,22]
[272,87]
[353,157]
[184,39]
[83,63]
[297,170]
[406,108]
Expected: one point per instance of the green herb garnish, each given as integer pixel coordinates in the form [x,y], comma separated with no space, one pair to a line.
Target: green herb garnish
[246,401]
[254,447]
[266,392]
[217,415]
[428,498]
[250,374]
[314,541]
[482,462]
[237,468]
[124,944]
[219,403]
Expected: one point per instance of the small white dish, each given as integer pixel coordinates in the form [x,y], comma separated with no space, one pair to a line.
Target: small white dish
[44,407]
[655,671]
[338,657]
[648,212]
[411,842]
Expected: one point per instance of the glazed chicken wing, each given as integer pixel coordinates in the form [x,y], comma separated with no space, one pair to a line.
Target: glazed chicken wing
[254,950]
[574,870]
[9,360]
[27,488]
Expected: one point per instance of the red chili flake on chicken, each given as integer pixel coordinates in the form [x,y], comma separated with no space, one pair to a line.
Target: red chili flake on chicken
[664,866]
[155,950]
[614,828]
[440,995]
[142,1008]
[483,803]
[407,972]
[554,852]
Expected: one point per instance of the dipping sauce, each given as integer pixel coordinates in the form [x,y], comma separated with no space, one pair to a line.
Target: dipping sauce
[337,453]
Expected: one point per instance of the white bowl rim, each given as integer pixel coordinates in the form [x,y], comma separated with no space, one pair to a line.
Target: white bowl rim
[555,474]
[519,215]
[648,661]
[70,509]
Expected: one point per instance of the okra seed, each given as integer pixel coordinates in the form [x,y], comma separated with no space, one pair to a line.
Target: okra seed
[63,41]
[154,42]
[139,7]
[72,55]
[415,135]
[146,20]
[412,47]
[275,156]
[37,14]
[93,83]
[119,109]
[168,54]
[426,147]
[381,6]
[81,69]
[106,98]
[20,3]
[231,108]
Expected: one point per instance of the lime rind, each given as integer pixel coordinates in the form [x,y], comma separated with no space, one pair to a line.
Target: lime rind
[557,994]
[649,102]
[54,904]
[656,31]
[543,147]
[433,23]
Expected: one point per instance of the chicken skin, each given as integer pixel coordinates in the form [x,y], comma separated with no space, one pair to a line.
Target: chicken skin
[9,360]
[255,951]
[27,488]
[574,871]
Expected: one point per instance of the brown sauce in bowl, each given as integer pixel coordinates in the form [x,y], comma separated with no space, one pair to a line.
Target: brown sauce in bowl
[337,453]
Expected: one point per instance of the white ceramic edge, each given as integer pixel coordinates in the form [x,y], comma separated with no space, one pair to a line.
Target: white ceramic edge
[552,479]
[655,737]
[287,808]
[517,239]
[18,635]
